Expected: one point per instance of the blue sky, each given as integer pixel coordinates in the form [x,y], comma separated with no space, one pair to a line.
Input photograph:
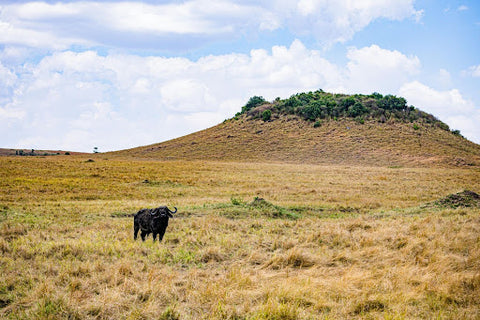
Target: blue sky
[110,74]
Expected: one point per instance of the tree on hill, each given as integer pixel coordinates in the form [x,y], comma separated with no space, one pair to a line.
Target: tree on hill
[253,102]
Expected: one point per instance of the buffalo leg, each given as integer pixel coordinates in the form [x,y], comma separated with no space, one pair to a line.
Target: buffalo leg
[143,234]
[154,237]
[161,234]
[136,227]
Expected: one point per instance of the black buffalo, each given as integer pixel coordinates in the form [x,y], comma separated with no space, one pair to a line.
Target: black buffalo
[152,221]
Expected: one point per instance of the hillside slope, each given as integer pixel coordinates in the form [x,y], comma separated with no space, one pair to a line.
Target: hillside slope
[290,138]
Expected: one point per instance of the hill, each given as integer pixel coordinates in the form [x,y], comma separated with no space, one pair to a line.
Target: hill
[324,128]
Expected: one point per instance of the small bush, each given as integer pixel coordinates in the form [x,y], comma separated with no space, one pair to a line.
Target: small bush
[456,132]
[317,124]
[266,115]
[415,126]
[443,126]
[236,202]
[253,102]
[360,120]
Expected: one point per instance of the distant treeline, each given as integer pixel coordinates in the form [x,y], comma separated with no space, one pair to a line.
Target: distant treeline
[37,153]
[320,105]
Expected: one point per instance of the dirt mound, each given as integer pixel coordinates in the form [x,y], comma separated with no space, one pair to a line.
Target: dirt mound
[465,198]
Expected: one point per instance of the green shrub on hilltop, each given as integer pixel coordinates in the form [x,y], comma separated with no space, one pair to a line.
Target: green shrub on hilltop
[253,102]
[318,105]
[266,115]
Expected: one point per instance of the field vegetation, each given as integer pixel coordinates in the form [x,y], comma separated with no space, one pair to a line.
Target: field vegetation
[251,240]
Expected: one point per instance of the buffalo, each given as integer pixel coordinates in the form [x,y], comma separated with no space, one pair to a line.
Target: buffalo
[152,221]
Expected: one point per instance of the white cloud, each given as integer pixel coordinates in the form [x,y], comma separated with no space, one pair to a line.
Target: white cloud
[338,20]
[7,114]
[14,35]
[120,101]
[191,17]
[444,79]
[442,103]
[7,77]
[473,71]
[173,24]
[14,55]
[374,68]
[194,96]
[8,80]
[123,24]
[449,106]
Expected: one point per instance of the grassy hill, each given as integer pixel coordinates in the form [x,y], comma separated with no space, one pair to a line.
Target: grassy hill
[278,132]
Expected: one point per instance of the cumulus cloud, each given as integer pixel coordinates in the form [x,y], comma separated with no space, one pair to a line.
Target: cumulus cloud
[449,102]
[449,106]
[7,78]
[8,82]
[119,101]
[374,67]
[178,25]
[338,20]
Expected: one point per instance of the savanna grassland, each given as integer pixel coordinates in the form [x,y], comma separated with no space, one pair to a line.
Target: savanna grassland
[327,242]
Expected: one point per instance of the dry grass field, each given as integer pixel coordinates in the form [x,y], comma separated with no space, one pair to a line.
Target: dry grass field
[329,242]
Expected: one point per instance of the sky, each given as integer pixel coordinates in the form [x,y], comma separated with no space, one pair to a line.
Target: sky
[75,75]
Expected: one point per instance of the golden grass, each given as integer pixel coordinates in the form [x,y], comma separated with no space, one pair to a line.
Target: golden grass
[362,246]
